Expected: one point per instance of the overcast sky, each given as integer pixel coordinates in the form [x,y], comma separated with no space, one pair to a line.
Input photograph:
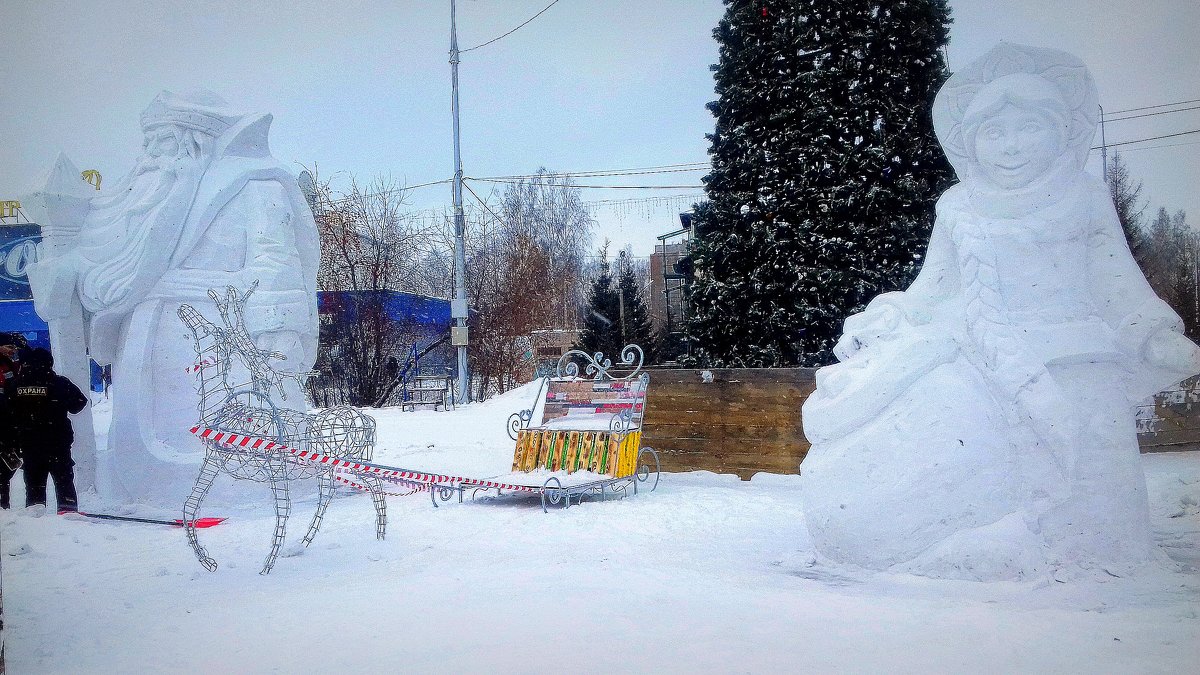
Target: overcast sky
[363,88]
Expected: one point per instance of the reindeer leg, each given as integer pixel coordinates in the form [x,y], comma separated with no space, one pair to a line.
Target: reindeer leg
[380,505]
[283,504]
[204,481]
[325,479]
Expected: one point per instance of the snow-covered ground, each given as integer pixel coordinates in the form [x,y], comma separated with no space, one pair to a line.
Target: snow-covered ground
[707,574]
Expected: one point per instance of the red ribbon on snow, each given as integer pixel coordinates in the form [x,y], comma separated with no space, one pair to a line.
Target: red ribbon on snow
[387,472]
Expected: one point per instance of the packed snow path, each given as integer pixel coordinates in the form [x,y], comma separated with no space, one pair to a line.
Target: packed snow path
[706,574]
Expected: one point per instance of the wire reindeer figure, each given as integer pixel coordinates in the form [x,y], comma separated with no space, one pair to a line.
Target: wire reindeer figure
[236,380]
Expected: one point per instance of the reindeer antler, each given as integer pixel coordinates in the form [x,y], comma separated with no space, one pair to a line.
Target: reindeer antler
[237,339]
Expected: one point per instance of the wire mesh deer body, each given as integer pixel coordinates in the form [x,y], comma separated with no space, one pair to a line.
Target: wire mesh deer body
[236,380]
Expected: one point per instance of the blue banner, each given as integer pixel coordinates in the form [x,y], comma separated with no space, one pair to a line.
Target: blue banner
[18,248]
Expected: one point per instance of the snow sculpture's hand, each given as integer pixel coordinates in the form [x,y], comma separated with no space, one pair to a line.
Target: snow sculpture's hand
[285,342]
[1173,351]
[53,285]
[878,320]
[848,345]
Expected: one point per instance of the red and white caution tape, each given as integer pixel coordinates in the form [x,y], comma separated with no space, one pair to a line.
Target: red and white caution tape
[196,368]
[386,472]
[416,487]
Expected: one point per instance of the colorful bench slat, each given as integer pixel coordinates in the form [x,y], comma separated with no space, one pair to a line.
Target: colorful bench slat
[602,452]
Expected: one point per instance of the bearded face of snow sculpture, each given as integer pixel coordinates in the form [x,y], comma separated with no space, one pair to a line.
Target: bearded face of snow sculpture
[980,424]
[205,206]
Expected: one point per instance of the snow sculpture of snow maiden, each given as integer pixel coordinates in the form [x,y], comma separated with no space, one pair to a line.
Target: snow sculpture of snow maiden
[980,424]
[206,206]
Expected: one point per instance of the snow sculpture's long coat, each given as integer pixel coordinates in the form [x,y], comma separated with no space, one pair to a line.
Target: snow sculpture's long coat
[248,222]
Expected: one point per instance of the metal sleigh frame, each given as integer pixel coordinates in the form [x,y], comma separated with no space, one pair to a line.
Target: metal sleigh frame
[553,492]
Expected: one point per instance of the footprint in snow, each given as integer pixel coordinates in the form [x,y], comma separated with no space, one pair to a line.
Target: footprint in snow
[23,549]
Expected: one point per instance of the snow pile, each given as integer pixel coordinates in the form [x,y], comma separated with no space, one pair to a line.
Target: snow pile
[708,573]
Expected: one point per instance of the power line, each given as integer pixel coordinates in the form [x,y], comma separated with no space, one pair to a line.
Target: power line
[1161,112]
[482,203]
[593,173]
[1150,107]
[606,187]
[432,182]
[463,51]
[1156,147]
[384,193]
[639,200]
[514,179]
[598,174]
[663,168]
[1152,138]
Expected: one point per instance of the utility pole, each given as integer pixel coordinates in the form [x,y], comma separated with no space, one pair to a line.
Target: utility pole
[1103,146]
[458,308]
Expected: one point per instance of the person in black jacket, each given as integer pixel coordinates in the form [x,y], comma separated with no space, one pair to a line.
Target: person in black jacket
[10,367]
[38,411]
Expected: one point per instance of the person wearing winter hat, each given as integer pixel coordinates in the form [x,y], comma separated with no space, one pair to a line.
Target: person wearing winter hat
[37,411]
[10,367]
[11,346]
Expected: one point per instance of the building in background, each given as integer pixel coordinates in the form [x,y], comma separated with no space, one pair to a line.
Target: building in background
[670,276]
[547,346]
[374,343]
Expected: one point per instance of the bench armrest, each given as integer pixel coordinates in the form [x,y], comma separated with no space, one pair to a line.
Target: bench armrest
[520,419]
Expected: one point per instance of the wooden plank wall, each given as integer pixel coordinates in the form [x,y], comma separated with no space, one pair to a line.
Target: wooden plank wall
[743,421]
[747,420]
[1176,428]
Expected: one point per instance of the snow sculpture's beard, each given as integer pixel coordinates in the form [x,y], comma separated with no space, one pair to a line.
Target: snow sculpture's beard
[128,238]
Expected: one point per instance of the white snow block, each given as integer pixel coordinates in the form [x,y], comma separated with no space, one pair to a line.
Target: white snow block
[205,207]
[980,424]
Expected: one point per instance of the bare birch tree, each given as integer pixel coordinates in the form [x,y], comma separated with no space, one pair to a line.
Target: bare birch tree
[370,245]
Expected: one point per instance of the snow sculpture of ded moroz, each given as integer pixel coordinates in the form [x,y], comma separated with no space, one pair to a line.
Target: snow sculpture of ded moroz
[206,206]
[980,424]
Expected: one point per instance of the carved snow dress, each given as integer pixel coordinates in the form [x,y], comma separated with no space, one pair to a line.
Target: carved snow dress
[981,425]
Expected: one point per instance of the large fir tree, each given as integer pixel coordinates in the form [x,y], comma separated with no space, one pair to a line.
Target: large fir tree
[1126,194]
[825,172]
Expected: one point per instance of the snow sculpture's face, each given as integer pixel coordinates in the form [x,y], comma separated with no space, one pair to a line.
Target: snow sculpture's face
[165,177]
[1016,146]
[161,150]
[162,141]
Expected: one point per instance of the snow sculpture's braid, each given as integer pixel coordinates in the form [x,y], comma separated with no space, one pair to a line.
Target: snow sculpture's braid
[1021,382]
[988,323]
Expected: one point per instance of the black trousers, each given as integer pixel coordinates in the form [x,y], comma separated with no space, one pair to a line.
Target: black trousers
[63,474]
[6,475]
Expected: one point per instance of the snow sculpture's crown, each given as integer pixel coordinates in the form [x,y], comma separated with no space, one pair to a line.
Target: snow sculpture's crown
[1019,71]
[199,110]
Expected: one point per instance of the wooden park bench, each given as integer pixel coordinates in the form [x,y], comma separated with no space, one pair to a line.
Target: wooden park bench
[428,390]
[590,430]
